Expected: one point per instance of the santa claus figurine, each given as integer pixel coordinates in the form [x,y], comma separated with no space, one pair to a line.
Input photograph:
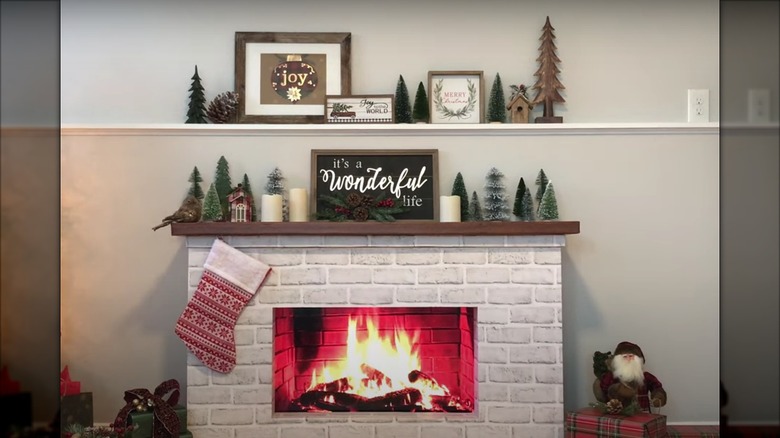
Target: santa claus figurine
[626,381]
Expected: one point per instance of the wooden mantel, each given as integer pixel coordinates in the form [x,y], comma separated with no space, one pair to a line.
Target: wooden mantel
[410,228]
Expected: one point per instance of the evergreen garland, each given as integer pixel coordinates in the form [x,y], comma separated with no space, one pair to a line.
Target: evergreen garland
[197,107]
[223,184]
[357,207]
[517,209]
[496,205]
[548,208]
[421,110]
[459,189]
[497,102]
[475,210]
[212,210]
[402,108]
[195,180]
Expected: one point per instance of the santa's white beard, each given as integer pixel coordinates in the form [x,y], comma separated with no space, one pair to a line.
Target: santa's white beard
[628,371]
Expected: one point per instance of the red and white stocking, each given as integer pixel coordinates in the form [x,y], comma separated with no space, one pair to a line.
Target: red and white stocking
[230,279]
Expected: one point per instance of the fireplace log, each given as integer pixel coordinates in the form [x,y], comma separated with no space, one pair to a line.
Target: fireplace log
[374,375]
[341,384]
[392,400]
[425,379]
[316,398]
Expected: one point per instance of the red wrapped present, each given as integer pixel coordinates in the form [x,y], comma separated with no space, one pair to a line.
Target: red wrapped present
[590,422]
[67,386]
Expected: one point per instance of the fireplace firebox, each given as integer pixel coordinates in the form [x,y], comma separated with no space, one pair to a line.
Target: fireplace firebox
[374,359]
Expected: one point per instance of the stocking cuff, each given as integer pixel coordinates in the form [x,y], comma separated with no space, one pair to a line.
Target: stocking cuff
[236,267]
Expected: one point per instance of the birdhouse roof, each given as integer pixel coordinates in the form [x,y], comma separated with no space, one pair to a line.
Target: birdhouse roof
[518,97]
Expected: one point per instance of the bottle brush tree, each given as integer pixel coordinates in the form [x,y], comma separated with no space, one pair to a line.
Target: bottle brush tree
[548,208]
[248,191]
[497,102]
[212,209]
[421,109]
[275,186]
[459,189]
[526,206]
[197,107]
[403,109]
[475,209]
[223,184]
[496,205]
[541,182]
[517,207]
[195,180]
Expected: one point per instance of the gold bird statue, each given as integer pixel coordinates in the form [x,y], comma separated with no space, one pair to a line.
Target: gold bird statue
[188,212]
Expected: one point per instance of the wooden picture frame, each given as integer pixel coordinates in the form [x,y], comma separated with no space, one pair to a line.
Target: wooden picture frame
[411,176]
[456,96]
[283,77]
[364,108]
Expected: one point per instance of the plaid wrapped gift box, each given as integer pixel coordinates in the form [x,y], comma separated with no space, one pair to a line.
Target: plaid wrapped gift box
[590,422]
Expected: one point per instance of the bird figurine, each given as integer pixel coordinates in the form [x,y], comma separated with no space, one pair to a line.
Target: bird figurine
[188,212]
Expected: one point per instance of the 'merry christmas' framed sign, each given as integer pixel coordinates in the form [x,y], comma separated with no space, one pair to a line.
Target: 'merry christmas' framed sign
[410,178]
[283,77]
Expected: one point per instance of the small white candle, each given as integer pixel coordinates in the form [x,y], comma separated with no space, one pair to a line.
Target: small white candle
[449,208]
[271,208]
[299,205]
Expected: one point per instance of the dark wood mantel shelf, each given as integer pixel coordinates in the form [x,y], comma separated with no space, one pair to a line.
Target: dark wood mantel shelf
[324,228]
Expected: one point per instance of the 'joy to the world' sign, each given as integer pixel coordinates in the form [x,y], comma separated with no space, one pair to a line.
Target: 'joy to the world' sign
[410,177]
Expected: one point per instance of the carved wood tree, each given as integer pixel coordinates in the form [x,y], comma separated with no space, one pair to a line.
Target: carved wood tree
[548,84]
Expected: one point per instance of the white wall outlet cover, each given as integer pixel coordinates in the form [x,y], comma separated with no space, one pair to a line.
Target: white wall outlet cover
[758,105]
[698,105]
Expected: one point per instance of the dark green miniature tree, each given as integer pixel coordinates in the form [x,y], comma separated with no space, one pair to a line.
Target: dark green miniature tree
[475,210]
[517,208]
[421,110]
[197,108]
[459,189]
[548,208]
[275,186]
[212,209]
[195,180]
[248,191]
[497,102]
[223,184]
[403,109]
[527,206]
[541,181]
[496,204]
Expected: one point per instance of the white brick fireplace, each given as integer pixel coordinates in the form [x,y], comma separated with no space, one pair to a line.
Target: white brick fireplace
[514,281]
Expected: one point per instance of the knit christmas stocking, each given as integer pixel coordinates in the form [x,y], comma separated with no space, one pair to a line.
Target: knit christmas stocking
[230,279]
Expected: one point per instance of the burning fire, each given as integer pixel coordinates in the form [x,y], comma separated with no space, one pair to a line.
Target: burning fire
[379,370]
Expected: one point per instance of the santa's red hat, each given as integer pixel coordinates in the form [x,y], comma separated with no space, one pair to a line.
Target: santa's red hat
[629,348]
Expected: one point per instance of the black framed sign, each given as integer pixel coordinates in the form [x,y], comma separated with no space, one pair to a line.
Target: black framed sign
[410,178]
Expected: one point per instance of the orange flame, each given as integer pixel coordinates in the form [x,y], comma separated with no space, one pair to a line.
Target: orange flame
[377,365]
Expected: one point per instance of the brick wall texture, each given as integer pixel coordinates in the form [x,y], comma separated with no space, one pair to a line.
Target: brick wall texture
[513,281]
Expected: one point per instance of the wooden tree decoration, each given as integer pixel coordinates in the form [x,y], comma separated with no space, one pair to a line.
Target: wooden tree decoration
[548,84]
[248,191]
[223,184]
[197,106]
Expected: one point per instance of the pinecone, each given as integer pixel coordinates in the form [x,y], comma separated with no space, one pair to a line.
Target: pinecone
[353,200]
[223,108]
[360,214]
[614,406]
[368,201]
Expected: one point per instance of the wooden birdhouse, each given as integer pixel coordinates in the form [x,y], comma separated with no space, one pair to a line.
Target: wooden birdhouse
[240,205]
[520,109]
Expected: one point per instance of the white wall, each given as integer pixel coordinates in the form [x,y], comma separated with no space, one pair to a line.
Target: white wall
[645,267]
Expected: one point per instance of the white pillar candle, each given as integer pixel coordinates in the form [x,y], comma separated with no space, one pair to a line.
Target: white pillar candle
[299,205]
[271,208]
[449,208]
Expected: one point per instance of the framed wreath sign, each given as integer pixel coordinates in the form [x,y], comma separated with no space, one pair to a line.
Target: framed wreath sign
[283,77]
[456,96]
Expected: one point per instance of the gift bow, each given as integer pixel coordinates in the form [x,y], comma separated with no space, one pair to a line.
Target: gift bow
[166,422]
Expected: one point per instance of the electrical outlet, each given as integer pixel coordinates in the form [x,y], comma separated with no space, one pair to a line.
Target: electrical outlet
[758,105]
[699,105]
